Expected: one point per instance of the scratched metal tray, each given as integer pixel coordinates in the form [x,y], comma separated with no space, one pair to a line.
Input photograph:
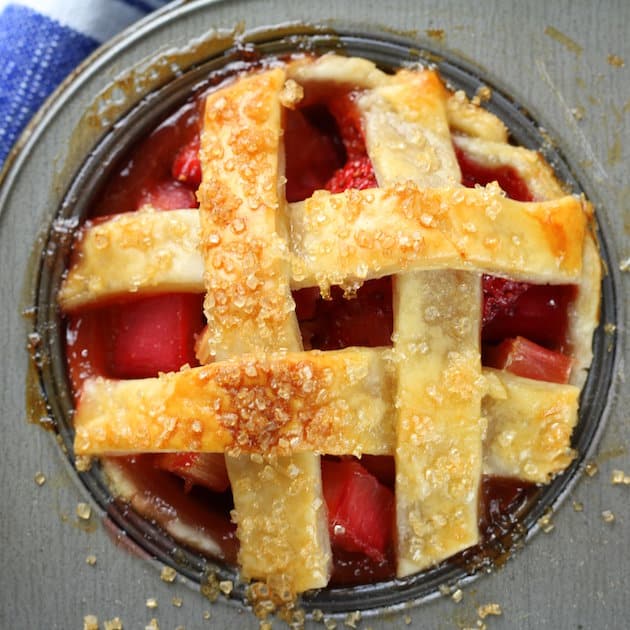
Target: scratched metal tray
[569,577]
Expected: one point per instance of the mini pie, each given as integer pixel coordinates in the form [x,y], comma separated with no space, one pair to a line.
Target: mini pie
[274,408]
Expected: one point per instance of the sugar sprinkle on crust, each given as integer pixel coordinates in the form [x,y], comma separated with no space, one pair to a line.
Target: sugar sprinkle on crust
[111,416]
[278,502]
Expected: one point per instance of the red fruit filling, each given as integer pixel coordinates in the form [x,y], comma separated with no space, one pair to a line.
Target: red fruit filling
[86,353]
[536,312]
[501,498]
[187,166]
[526,358]
[143,172]
[168,195]
[348,118]
[357,174]
[154,334]
[360,509]
[499,296]
[364,320]
[158,496]
[507,177]
[382,467]
[312,151]
[136,339]
[325,149]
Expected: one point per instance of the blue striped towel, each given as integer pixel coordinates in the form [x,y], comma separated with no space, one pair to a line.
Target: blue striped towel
[41,41]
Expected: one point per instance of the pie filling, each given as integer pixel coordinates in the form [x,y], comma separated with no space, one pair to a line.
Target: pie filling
[525,326]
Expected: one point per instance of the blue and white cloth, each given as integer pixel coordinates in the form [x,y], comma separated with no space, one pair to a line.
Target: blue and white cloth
[42,41]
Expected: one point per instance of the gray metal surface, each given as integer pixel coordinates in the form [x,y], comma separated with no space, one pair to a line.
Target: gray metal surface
[573,577]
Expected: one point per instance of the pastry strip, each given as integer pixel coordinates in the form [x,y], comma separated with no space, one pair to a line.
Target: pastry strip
[279,508]
[400,144]
[381,231]
[415,232]
[343,72]
[248,301]
[529,427]
[438,423]
[158,251]
[439,426]
[337,402]
[111,416]
[474,121]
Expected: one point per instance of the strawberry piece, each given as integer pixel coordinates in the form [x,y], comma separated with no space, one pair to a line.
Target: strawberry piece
[348,119]
[203,469]
[526,358]
[499,296]
[360,509]
[86,354]
[536,312]
[382,467]
[314,156]
[186,166]
[507,177]
[154,334]
[364,320]
[168,195]
[357,174]
[311,152]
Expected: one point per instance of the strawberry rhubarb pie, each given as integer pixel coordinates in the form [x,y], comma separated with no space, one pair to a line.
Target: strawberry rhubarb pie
[328,324]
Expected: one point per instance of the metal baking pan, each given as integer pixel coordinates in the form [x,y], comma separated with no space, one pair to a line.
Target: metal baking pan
[555,75]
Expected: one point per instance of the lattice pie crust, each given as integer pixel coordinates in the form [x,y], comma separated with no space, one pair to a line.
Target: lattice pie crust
[273,408]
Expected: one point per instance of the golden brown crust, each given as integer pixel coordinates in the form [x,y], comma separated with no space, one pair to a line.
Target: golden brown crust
[401,146]
[529,427]
[328,252]
[248,301]
[438,423]
[110,415]
[281,517]
[249,308]
[324,402]
[467,118]
[376,232]
[335,70]
[584,312]
[439,426]
[143,251]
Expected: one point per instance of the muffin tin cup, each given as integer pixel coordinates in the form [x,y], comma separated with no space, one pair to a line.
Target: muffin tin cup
[81,185]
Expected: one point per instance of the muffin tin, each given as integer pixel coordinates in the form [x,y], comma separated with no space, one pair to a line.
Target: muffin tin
[84,111]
